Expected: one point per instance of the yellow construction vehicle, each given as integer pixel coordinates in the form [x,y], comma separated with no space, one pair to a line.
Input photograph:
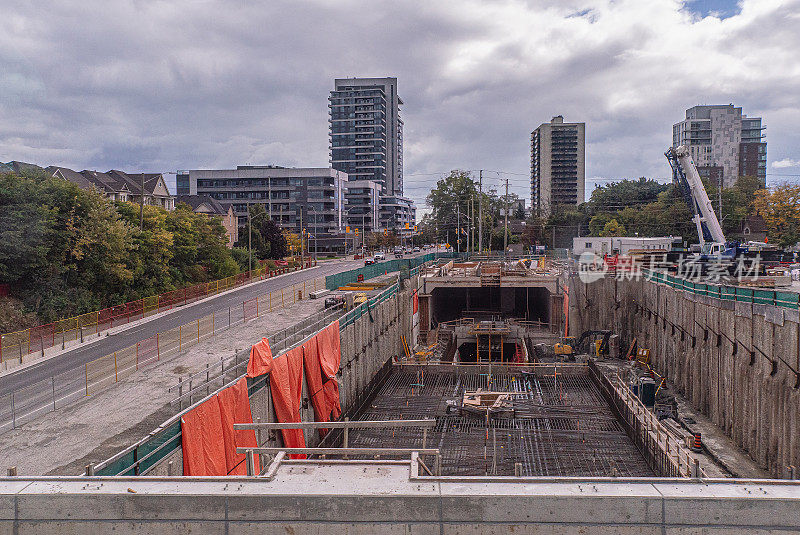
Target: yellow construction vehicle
[569,346]
[563,348]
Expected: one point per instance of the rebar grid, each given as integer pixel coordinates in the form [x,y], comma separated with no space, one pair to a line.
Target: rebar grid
[560,425]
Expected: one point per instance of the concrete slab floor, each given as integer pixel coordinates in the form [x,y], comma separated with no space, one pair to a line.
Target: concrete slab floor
[92,429]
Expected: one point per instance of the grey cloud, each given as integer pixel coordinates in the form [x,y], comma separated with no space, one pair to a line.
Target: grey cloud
[185,84]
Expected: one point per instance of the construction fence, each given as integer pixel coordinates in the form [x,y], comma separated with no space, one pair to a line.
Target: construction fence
[402,265]
[148,452]
[36,339]
[728,293]
[25,404]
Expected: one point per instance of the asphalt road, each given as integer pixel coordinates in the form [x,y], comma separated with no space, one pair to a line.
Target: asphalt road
[106,345]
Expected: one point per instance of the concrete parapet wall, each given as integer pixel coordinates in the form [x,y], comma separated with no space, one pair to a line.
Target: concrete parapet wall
[370,498]
[735,362]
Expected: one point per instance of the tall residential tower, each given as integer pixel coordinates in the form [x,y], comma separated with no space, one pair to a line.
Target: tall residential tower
[723,142]
[558,165]
[367,132]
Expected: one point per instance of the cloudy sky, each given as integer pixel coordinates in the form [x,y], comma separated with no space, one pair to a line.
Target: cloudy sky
[187,84]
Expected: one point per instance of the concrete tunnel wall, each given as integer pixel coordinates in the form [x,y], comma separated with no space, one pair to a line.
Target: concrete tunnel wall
[719,355]
[366,346]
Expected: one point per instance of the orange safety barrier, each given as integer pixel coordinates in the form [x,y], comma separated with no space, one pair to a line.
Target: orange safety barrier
[260,359]
[286,385]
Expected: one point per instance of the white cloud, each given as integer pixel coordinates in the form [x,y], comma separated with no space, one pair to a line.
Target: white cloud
[187,84]
[786,162]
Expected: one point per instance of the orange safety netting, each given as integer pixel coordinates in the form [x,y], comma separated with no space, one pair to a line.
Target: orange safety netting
[202,442]
[260,359]
[286,384]
[234,405]
[208,439]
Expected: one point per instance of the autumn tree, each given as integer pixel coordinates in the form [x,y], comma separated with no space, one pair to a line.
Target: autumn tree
[780,209]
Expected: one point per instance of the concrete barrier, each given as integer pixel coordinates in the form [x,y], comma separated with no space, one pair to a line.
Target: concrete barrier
[380,497]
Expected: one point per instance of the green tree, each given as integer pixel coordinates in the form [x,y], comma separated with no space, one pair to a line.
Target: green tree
[613,228]
[268,238]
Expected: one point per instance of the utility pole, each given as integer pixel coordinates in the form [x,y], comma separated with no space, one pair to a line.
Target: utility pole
[505,230]
[458,227]
[249,236]
[302,232]
[480,212]
[719,197]
[141,207]
[269,194]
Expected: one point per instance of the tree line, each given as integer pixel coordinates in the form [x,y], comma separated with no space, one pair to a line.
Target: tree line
[66,251]
[629,207]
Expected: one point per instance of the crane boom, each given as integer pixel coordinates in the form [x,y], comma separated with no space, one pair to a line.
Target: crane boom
[684,173]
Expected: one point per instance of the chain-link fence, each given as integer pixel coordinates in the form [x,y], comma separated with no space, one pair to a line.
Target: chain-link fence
[17,344]
[25,404]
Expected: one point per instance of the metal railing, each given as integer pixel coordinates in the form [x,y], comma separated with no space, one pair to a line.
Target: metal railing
[217,375]
[346,451]
[23,405]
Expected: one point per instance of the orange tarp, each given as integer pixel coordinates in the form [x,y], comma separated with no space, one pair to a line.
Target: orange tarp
[330,351]
[234,405]
[330,358]
[416,303]
[286,384]
[260,359]
[202,441]
[314,380]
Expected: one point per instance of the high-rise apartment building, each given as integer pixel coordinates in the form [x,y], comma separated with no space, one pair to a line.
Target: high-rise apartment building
[366,132]
[723,142]
[558,165]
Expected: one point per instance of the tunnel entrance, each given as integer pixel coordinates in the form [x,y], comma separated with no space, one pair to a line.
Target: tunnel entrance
[527,303]
[502,352]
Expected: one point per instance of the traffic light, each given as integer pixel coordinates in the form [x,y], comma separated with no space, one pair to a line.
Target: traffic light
[347,230]
[406,225]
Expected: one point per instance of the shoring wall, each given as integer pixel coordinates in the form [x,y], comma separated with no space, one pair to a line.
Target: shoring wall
[736,362]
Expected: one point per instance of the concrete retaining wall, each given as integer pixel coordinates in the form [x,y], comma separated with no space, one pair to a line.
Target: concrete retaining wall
[734,361]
